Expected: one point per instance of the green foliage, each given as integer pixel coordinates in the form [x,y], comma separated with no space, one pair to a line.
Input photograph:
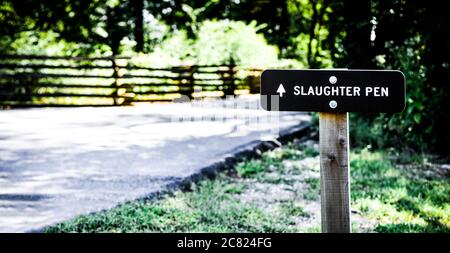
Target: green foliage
[417,123]
[218,42]
[366,130]
[174,50]
[387,34]
[71,21]
[415,127]
[308,35]
[92,23]
[48,43]
[315,122]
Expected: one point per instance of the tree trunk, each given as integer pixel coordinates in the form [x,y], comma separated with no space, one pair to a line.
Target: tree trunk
[138,8]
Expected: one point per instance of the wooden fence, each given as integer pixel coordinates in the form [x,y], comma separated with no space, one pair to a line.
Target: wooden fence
[27,80]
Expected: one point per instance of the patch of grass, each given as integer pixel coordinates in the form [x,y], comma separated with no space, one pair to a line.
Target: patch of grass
[270,160]
[234,188]
[293,209]
[250,167]
[313,190]
[297,152]
[273,158]
[313,229]
[411,228]
[131,217]
[291,152]
[271,178]
[396,198]
[211,206]
[310,152]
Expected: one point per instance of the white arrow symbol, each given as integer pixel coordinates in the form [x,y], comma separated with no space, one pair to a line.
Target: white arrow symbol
[281,90]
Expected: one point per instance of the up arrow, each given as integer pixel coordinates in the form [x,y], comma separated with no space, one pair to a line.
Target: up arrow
[281,90]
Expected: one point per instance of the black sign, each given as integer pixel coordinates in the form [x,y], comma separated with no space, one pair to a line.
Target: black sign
[333,90]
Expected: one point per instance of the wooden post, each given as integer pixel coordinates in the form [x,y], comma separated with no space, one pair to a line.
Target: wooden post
[115,84]
[191,82]
[228,79]
[334,172]
[185,80]
[231,83]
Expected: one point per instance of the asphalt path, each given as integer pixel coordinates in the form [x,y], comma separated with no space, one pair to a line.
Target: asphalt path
[56,163]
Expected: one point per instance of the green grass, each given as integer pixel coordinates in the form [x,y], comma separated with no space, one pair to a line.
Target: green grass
[293,209]
[313,191]
[390,197]
[399,199]
[310,152]
[250,168]
[210,207]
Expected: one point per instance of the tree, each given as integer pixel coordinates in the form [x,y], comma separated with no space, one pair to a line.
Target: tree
[91,22]
[138,14]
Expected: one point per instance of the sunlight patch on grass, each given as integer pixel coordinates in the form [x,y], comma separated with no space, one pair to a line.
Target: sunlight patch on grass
[395,198]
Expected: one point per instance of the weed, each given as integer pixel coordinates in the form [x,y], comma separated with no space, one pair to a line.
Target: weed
[250,168]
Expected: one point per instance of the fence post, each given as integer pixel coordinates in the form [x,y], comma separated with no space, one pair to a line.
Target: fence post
[253,80]
[334,172]
[115,83]
[191,82]
[186,80]
[229,79]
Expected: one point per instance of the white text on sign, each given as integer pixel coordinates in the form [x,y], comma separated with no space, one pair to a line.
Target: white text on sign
[348,91]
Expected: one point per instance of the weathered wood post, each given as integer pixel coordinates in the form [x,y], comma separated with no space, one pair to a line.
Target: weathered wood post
[185,80]
[228,79]
[231,83]
[334,172]
[115,84]
[191,82]
[123,93]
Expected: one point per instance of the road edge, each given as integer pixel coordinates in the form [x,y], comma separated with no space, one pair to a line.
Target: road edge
[249,150]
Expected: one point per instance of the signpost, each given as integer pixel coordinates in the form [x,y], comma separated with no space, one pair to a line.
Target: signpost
[333,93]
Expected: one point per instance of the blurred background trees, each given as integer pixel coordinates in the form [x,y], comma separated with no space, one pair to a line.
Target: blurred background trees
[411,36]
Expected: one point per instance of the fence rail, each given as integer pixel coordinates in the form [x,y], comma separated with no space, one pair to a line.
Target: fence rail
[30,80]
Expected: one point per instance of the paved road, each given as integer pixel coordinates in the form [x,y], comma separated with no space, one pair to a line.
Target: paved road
[56,163]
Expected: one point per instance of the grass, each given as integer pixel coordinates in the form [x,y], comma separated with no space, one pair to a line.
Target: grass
[313,191]
[280,193]
[399,199]
[293,209]
[210,207]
